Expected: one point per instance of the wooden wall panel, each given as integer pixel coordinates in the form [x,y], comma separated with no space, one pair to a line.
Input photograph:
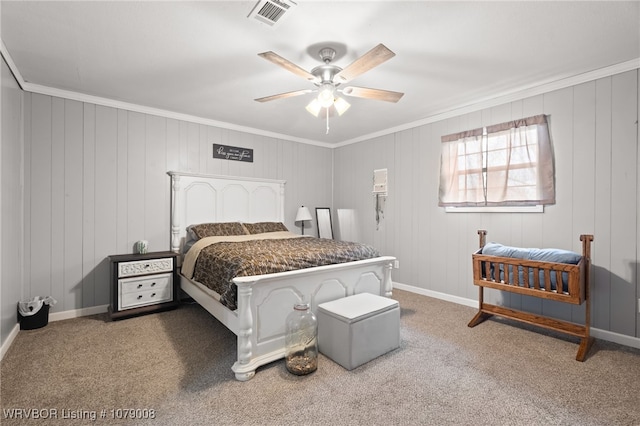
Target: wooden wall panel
[584,166]
[11,200]
[601,282]
[403,193]
[156,191]
[122,183]
[96,182]
[106,199]
[624,169]
[57,198]
[73,235]
[136,179]
[26,260]
[40,197]
[88,205]
[594,134]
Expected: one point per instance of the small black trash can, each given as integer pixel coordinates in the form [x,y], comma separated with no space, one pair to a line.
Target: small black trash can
[37,320]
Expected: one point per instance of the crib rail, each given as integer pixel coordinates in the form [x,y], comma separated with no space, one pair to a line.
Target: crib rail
[515,275]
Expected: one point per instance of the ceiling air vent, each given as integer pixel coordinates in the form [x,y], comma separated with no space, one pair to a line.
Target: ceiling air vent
[271,12]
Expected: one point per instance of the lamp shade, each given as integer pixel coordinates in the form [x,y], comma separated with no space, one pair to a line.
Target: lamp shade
[341,105]
[314,107]
[303,214]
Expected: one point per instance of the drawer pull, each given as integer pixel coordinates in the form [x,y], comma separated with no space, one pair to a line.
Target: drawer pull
[147,265]
[152,284]
[139,285]
[153,294]
[139,296]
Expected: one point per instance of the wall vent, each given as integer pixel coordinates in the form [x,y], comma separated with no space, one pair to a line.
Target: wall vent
[271,12]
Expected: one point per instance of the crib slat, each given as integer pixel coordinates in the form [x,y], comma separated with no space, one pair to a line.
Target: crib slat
[559,284]
[547,280]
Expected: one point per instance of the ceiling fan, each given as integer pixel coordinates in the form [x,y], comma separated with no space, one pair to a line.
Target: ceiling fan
[327,77]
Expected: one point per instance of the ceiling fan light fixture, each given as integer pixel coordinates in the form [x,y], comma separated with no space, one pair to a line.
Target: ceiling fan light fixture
[325,95]
[328,77]
[341,105]
[314,107]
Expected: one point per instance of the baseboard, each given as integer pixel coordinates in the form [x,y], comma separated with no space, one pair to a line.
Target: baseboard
[9,340]
[609,336]
[437,295]
[76,313]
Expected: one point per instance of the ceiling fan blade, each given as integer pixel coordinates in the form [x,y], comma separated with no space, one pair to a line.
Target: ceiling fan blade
[377,94]
[372,58]
[286,64]
[283,95]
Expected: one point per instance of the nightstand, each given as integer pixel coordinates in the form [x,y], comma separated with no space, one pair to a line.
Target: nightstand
[143,283]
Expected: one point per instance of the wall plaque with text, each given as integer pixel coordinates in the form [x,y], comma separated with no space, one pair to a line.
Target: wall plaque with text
[235,153]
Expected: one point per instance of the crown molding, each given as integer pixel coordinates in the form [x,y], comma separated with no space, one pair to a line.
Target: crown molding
[12,66]
[506,97]
[97,100]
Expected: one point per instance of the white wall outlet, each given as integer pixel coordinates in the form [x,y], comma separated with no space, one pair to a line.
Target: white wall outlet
[396,264]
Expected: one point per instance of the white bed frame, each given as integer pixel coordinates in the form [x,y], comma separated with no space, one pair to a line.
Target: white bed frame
[264,301]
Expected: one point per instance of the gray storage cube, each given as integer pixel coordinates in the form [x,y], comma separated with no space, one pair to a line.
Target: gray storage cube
[356,329]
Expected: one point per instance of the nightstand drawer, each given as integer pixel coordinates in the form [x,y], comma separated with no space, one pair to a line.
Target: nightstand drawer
[145,267]
[135,292]
[154,282]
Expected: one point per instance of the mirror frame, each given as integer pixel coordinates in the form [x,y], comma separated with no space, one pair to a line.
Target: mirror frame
[323,220]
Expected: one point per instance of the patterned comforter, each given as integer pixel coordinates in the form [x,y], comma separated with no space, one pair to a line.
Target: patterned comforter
[215,261]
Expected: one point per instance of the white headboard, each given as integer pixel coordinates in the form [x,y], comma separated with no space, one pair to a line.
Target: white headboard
[198,198]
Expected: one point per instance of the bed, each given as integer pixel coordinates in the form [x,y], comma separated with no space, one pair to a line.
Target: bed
[263,301]
[552,274]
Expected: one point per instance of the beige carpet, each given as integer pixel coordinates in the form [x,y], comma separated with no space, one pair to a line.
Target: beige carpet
[177,364]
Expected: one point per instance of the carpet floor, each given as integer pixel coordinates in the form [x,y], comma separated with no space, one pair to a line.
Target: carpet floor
[173,368]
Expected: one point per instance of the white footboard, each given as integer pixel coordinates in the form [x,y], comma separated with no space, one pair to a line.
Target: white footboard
[264,301]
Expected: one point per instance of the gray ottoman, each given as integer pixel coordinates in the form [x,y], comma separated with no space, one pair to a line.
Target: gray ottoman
[356,329]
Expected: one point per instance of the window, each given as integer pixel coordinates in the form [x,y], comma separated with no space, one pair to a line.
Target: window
[505,165]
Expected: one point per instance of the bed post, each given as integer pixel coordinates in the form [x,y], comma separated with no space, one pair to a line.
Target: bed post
[480,316]
[244,368]
[586,340]
[482,233]
[387,283]
[175,219]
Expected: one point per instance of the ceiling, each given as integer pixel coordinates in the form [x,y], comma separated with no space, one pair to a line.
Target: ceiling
[200,58]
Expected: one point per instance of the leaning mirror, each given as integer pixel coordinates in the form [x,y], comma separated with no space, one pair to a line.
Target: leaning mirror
[323,217]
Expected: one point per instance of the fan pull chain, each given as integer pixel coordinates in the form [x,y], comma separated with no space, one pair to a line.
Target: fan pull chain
[327,121]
